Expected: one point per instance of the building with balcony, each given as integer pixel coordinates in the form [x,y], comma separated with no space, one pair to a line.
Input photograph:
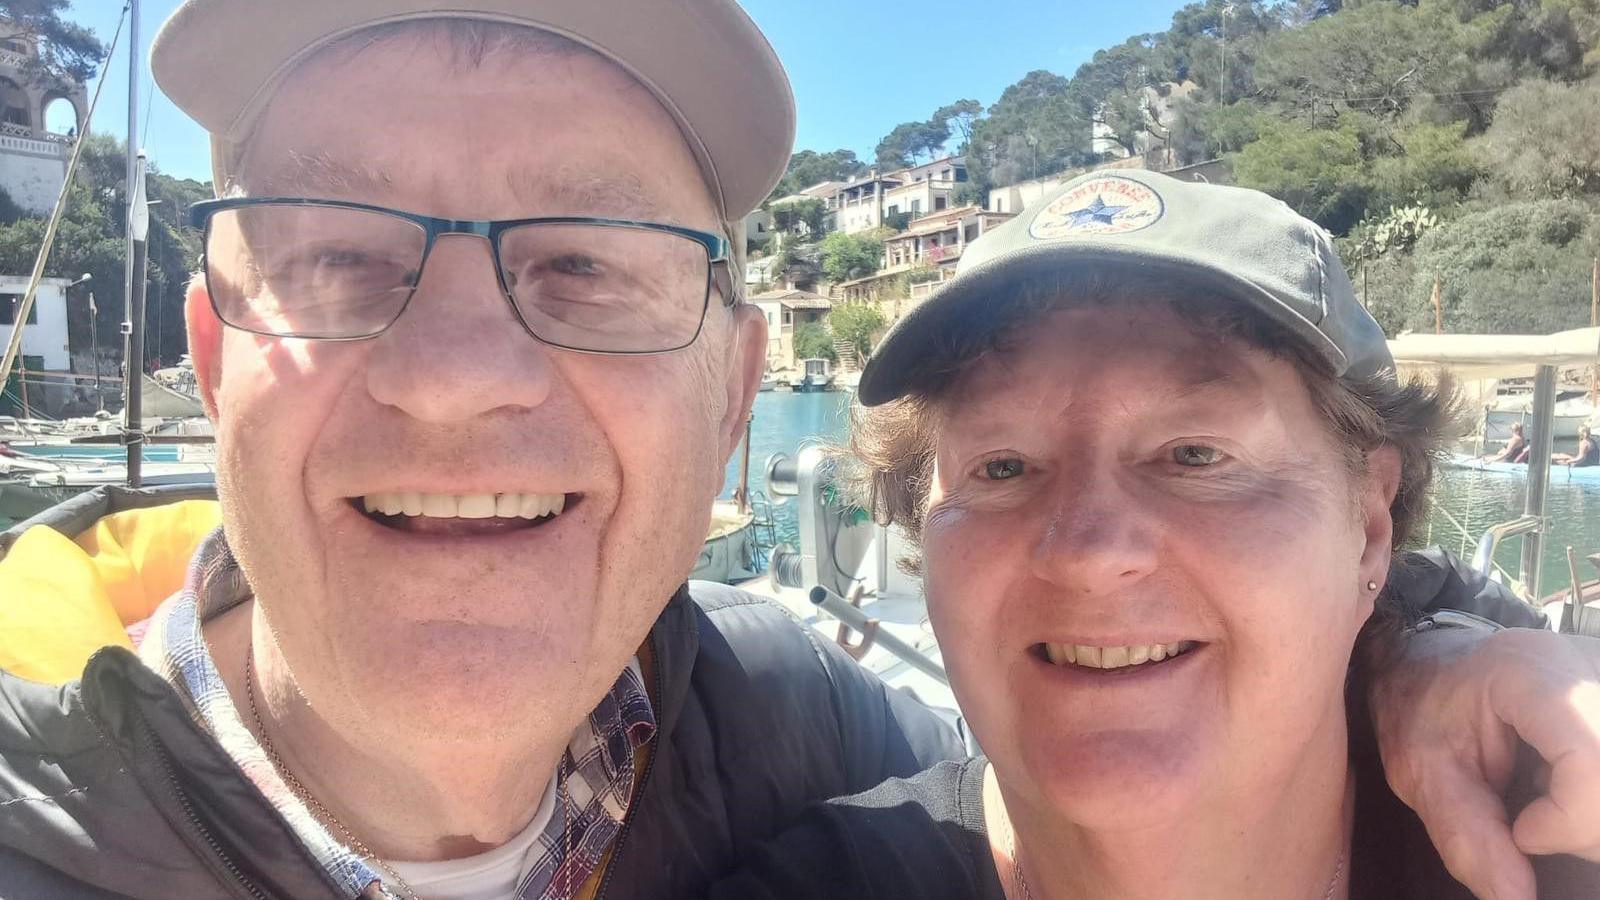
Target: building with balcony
[39,120]
[925,190]
[873,200]
[916,261]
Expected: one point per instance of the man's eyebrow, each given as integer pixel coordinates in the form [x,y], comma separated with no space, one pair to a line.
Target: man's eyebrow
[307,174]
[554,193]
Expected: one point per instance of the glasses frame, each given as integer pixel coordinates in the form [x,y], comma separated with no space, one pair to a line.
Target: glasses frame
[718,258]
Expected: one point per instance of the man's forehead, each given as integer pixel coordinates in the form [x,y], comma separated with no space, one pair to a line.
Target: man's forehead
[560,190]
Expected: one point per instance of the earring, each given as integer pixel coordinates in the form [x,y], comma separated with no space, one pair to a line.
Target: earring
[1372,585]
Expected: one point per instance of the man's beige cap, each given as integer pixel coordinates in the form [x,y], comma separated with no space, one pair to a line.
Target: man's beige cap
[705,60]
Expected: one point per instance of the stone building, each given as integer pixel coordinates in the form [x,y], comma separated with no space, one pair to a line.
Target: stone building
[39,120]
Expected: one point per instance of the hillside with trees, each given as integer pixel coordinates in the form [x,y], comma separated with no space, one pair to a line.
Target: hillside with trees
[1448,142]
[92,239]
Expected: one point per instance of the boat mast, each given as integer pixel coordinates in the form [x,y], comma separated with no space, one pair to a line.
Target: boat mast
[138,223]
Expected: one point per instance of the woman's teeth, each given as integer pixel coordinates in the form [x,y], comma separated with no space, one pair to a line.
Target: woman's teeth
[1114,657]
[465,506]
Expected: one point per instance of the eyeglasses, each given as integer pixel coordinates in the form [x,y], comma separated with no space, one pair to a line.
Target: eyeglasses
[337,271]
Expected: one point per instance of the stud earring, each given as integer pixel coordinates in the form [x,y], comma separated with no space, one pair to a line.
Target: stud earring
[1372,585]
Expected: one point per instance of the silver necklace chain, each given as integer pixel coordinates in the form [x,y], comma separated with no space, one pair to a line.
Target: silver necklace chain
[1019,880]
[299,790]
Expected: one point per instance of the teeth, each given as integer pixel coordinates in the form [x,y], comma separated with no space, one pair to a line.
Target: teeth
[1114,657]
[464,506]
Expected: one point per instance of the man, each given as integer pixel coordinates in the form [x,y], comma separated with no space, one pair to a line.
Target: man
[470,337]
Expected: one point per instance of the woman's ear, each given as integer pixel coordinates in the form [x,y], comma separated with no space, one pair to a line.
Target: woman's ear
[1377,492]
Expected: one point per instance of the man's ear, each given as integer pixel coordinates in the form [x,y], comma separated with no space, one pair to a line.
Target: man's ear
[747,359]
[1382,483]
[205,343]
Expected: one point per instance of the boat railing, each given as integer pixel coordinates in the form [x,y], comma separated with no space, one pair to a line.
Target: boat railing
[870,630]
[1481,547]
[1483,559]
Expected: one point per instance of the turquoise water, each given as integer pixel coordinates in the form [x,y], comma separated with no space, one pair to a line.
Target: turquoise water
[108,452]
[783,422]
[1476,499]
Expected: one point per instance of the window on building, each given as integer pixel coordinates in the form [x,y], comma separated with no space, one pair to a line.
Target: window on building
[788,316]
[15,46]
[971,234]
[16,115]
[894,210]
[940,203]
[961,174]
[999,204]
[916,206]
[8,310]
[944,174]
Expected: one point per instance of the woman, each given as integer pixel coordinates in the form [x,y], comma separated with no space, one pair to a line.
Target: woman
[1156,459]
[1588,453]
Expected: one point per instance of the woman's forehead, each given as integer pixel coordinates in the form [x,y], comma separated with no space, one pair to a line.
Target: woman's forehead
[1087,350]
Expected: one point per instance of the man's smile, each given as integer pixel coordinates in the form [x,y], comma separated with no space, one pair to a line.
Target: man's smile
[419,512]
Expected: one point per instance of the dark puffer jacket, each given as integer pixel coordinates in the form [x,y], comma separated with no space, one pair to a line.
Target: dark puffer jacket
[108,789]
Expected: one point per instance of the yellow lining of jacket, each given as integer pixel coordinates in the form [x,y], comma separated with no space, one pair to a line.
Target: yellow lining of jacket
[61,598]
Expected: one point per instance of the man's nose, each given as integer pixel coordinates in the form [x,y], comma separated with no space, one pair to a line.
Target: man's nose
[1096,537]
[458,350]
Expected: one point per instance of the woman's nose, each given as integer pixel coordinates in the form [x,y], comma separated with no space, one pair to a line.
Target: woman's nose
[1096,537]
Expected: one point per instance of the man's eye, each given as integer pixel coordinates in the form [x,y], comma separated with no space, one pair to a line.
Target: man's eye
[998,469]
[575,265]
[1195,455]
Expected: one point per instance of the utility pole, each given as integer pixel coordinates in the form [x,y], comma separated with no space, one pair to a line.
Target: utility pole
[94,351]
[1222,80]
[1438,306]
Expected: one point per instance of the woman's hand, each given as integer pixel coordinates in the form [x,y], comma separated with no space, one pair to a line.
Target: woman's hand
[1451,713]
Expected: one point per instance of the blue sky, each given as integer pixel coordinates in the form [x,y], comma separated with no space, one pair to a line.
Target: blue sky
[859,67]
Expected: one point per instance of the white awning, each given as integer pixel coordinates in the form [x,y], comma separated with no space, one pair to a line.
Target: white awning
[1477,356]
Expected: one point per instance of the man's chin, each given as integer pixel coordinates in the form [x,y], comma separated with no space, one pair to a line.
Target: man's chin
[462,677]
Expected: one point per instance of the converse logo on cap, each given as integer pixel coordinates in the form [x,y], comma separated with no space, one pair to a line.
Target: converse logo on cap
[1110,204]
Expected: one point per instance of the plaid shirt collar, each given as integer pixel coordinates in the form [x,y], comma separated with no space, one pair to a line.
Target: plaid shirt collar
[594,779]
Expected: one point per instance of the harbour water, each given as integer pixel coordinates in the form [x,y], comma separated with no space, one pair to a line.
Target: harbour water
[1476,500]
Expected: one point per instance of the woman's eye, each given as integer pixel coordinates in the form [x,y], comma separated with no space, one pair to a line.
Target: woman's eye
[998,469]
[1195,455]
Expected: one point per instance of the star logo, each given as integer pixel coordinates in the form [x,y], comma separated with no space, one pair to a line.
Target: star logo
[1097,206]
[1097,212]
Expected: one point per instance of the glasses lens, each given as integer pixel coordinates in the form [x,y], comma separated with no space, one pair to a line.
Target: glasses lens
[609,288]
[311,271]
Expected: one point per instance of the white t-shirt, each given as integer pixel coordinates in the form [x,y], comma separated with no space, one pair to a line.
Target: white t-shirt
[488,876]
[493,875]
